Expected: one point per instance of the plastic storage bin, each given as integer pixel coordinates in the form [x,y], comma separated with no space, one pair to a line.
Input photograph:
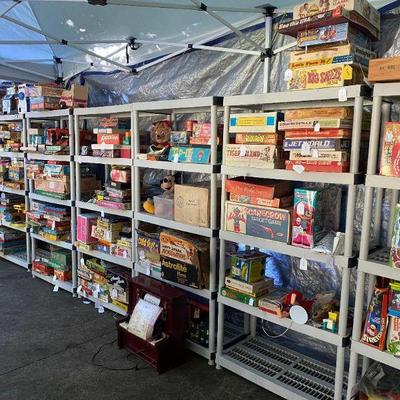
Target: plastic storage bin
[163,207]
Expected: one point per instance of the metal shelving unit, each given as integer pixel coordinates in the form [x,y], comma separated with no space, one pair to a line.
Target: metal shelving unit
[60,119]
[259,363]
[23,258]
[82,116]
[374,255]
[170,109]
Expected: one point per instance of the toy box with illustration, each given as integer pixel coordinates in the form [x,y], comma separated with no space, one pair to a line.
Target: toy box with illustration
[255,289]
[239,296]
[279,202]
[315,134]
[258,138]
[148,246]
[253,155]
[319,144]
[264,222]
[315,213]
[319,155]
[332,34]
[393,336]
[192,205]
[394,259]
[188,154]
[338,54]
[309,124]
[247,266]
[390,158]
[84,227]
[317,166]
[254,123]
[319,113]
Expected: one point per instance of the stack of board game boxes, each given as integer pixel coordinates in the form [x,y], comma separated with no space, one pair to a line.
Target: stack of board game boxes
[10,137]
[318,139]
[53,262]
[11,241]
[12,209]
[48,140]
[12,174]
[260,208]
[333,43]
[246,282]
[257,141]
[51,221]
[113,139]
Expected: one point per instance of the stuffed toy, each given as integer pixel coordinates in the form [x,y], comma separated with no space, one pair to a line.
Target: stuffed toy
[160,137]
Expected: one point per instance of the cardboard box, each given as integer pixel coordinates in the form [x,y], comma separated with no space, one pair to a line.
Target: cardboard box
[40,90]
[122,175]
[258,138]
[390,157]
[267,189]
[186,154]
[384,69]
[192,205]
[362,7]
[84,227]
[186,248]
[247,266]
[320,144]
[44,103]
[253,155]
[328,34]
[59,184]
[148,245]
[254,122]
[320,155]
[255,289]
[283,202]
[63,276]
[264,222]
[324,76]
[394,259]
[238,296]
[76,97]
[184,274]
[310,124]
[110,138]
[317,113]
[312,134]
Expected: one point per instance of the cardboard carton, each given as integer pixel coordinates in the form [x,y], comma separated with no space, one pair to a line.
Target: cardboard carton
[253,155]
[254,123]
[76,97]
[327,112]
[258,138]
[84,227]
[192,205]
[384,69]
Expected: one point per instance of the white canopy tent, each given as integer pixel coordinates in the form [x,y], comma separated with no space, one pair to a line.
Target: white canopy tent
[42,40]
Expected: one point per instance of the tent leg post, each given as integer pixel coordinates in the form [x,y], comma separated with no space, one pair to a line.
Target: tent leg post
[268,45]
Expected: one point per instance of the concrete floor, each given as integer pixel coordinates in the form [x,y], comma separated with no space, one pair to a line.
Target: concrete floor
[47,341]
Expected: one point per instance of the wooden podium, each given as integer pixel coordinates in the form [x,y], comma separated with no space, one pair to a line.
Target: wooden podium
[170,351]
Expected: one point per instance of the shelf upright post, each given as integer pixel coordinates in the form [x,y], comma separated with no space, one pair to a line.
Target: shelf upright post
[136,181]
[133,174]
[222,244]
[268,48]
[365,234]
[26,188]
[77,164]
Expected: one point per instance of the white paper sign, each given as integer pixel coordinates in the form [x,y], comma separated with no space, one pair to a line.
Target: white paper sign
[303,264]
[342,95]
[288,75]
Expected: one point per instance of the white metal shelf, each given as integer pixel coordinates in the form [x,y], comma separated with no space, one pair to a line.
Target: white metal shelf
[12,154]
[284,248]
[19,259]
[109,306]
[205,293]
[384,182]
[50,279]
[12,226]
[11,117]
[168,165]
[48,199]
[112,211]
[49,114]
[178,105]
[49,157]
[107,257]
[375,354]
[5,189]
[311,331]
[103,160]
[168,223]
[198,349]
[64,245]
[391,89]
[378,265]
[338,178]
[105,110]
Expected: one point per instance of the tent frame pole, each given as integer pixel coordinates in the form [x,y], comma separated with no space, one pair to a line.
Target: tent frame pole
[39,74]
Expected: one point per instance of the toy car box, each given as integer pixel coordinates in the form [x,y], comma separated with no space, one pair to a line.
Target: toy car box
[264,222]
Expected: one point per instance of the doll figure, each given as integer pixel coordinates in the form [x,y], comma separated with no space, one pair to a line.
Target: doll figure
[160,137]
[168,183]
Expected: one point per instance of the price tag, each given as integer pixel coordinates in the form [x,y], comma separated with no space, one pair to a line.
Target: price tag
[389,137]
[101,309]
[96,294]
[298,168]
[314,153]
[78,289]
[55,289]
[251,302]
[288,75]
[82,261]
[305,149]
[54,278]
[114,294]
[317,127]
[176,157]
[196,313]
[242,152]
[102,214]
[303,264]
[342,95]
[300,208]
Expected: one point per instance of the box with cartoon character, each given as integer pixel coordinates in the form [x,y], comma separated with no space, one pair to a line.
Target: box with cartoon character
[315,213]
[263,222]
[394,258]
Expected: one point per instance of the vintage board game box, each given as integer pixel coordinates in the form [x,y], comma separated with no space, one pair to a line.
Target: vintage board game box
[44,103]
[110,138]
[192,205]
[258,138]
[187,154]
[267,189]
[315,213]
[390,158]
[333,54]
[184,274]
[332,34]
[253,155]
[311,124]
[255,289]
[324,76]
[361,7]
[247,266]
[393,336]
[312,134]
[320,144]
[282,202]
[238,296]
[148,246]
[317,113]
[264,222]
[320,155]
[384,69]
[254,122]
